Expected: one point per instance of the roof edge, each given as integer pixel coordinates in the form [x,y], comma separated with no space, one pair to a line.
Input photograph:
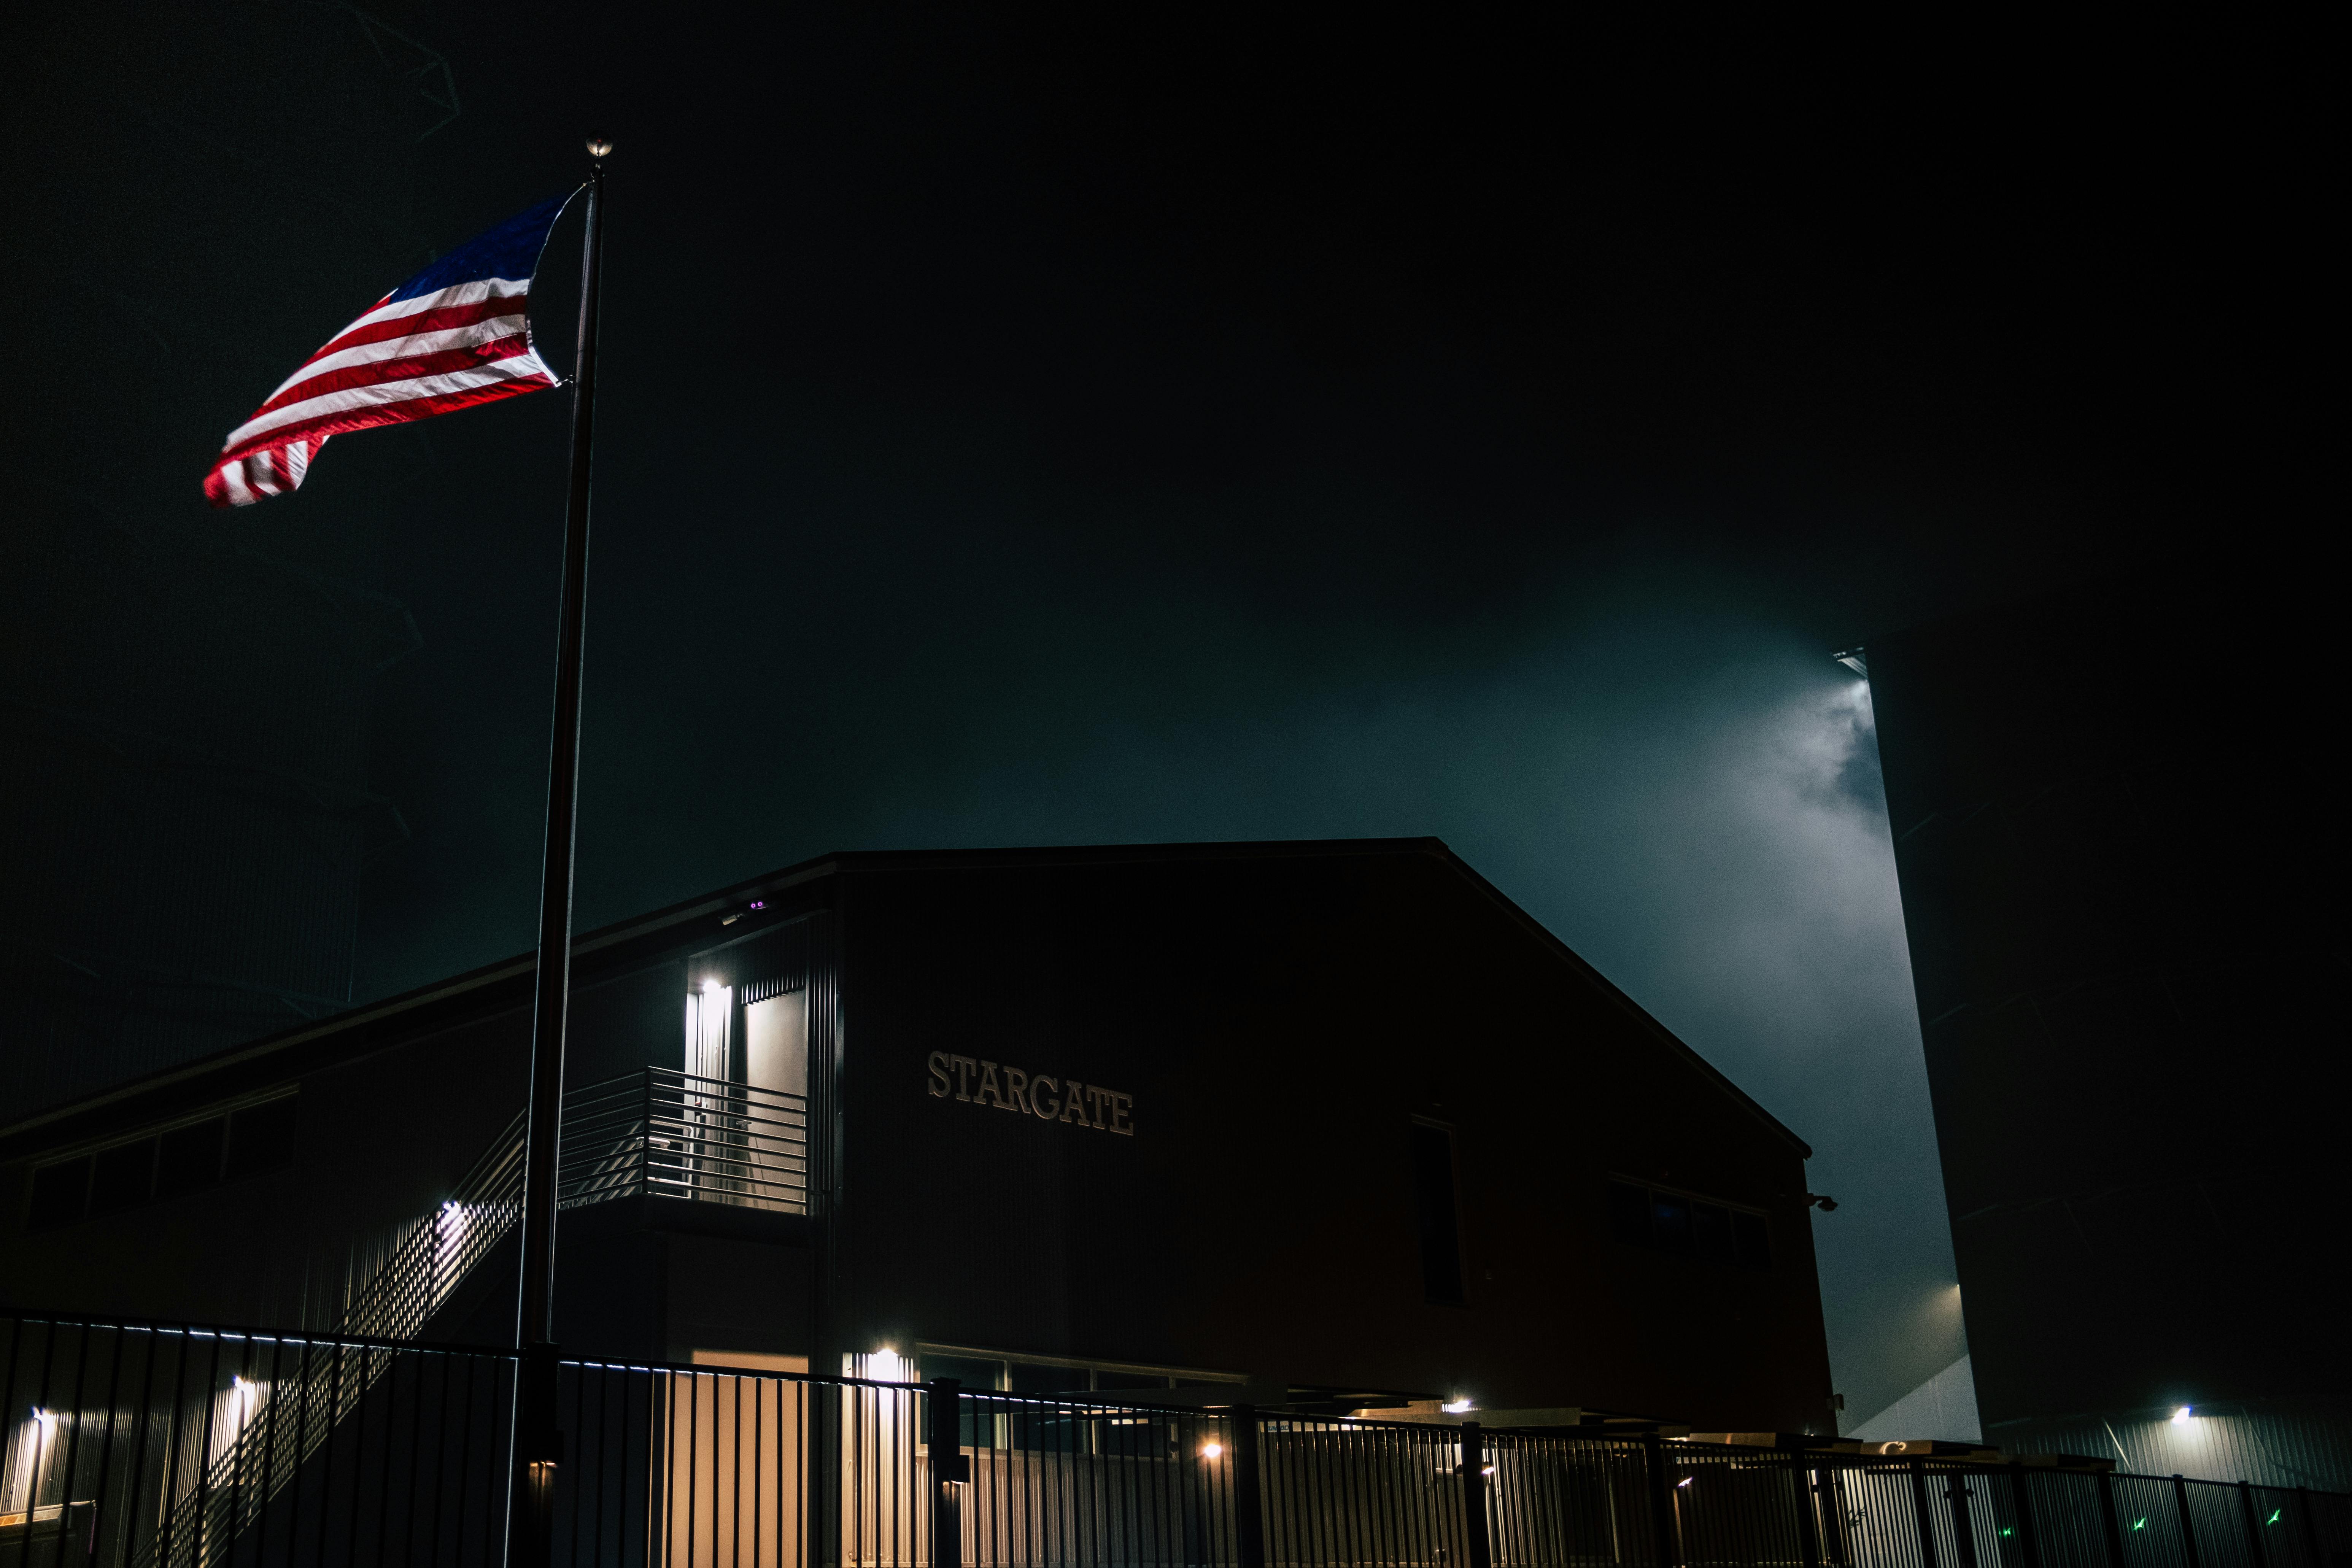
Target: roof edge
[1609,989]
[733,897]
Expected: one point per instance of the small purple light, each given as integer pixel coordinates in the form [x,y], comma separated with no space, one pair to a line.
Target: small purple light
[760,903]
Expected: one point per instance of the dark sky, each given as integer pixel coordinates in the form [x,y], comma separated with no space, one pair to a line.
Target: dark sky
[1140,425]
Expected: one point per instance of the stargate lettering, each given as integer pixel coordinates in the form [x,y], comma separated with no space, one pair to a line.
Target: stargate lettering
[976,1082]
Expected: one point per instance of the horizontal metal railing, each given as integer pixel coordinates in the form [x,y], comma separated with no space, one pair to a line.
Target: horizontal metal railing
[658,1132]
[346,1451]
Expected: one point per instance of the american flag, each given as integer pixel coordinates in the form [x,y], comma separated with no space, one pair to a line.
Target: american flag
[454,335]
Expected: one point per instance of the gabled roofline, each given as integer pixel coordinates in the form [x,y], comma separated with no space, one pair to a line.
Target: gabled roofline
[297,1049]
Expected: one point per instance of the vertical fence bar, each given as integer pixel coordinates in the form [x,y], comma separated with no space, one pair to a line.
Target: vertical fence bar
[1480,1549]
[2020,1492]
[2187,1526]
[947,1464]
[1249,1501]
[1926,1511]
[2108,1523]
[1809,1548]
[1665,1547]
[1829,1487]
[2254,1554]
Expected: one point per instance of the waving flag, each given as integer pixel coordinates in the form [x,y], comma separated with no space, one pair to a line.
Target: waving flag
[454,335]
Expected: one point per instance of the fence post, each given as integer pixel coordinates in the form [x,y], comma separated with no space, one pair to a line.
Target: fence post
[1474,1496]
[2310,1525]
[2255,1554]
[1662,1502]
[538,1451]
[2187,1529]
[1964,1526]
[948,1469]
[2107,1518]
[1809,1549]
[1926,1511]
[2021,1492]
[1832,1514]
[1249,1501]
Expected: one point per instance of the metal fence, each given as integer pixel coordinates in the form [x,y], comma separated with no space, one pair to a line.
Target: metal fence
[150,1445]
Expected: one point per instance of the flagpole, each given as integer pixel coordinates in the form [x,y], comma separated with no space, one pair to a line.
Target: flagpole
[538,1447]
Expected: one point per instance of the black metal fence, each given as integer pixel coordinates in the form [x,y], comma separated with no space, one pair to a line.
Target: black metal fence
[148,1445]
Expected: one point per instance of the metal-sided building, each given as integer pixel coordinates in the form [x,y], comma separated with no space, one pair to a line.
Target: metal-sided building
[1334,1122]
[2114,861]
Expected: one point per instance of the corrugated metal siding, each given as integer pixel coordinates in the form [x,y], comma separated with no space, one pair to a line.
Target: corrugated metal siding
[2273,1446]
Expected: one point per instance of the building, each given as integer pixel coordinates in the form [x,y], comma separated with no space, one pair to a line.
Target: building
[2113,862]
[1332,1122]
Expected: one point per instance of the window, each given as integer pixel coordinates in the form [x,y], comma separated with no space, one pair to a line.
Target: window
[261,1138]
[250,1140]
[122,1177]
[188,1158]
[1433,1210]
[60,1194]
[1660,1220]
[1670,1222]
[1019,1428]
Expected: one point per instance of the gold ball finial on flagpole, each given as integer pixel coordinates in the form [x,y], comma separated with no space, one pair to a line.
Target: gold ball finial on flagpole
[598,147]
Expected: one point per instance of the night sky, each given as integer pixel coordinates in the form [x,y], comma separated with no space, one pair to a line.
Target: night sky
[1151,424]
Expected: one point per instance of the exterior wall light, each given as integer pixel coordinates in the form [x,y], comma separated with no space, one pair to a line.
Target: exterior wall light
[1213,1450]
[1457,1407]
[2180,1417]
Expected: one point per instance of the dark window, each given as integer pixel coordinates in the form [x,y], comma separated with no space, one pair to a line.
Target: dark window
[261,1138]
[1023,1378]
[977,1376]
[976,1427]
[1751,1241]
[188,1158]
[1433,1201]
[1109,1380]
[121,1177]
[1629,1214]
[1050,1433]
[1711,1232]
[1670,1222]
[60,1195]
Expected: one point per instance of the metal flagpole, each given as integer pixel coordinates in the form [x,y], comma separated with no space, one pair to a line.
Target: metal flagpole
[538,1447]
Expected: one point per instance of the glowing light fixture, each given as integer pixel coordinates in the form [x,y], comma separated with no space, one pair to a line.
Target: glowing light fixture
[1684,1481]
[2180,1417]
[1455,1406]
[1213,1450]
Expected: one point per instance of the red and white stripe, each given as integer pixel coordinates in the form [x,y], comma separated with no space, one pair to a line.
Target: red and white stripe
[406,359]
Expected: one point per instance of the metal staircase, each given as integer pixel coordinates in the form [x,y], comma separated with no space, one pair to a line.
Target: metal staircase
[653,1134]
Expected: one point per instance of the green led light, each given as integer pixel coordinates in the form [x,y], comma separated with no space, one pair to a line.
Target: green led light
[2139,1524]
[2007,1533]
[2274,1518]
